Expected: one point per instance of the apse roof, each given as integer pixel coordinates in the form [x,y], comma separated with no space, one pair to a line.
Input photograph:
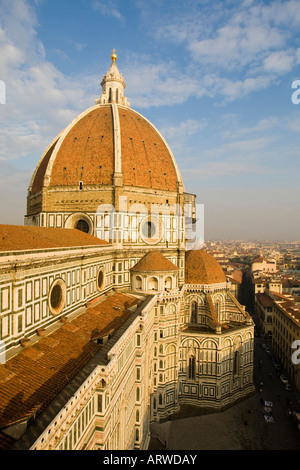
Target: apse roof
[154,261]
[35,376]
[22,238]
[202,268]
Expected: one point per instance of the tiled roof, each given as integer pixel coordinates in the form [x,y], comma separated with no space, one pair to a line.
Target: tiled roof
[18,237]
[259,259]
[264,299]
[287,304]
[85,152]
[290,283]
[154,261]
[33,378]
[236,276]
[202,268]
[146,161]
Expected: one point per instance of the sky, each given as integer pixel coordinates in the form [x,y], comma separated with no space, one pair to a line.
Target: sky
[215,77]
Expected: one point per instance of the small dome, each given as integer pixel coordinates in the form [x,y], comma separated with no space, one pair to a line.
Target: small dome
[154,261]
[202,268]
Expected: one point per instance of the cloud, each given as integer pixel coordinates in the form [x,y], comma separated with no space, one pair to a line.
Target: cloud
[235,89]
[13,187]
[80,46]
[270,123]
[180,136]
[160,83]
[236,44]
[236,48]
[40,100]
[280,61]
[108,8]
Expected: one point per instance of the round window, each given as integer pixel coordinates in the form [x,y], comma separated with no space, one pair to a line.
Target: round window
[57,297]
[82,225]
[148,229]
[101,279]
[151,230]
[79,221]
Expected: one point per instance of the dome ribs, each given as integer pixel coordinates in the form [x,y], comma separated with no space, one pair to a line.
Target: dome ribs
[144,150]
[202,268]
[83,157]
[87,147]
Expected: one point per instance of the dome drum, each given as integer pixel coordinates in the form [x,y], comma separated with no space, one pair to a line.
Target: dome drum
[154,273]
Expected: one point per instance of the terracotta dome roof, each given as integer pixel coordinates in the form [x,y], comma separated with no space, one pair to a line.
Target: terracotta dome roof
[202,268]
[103,140]
[154,261]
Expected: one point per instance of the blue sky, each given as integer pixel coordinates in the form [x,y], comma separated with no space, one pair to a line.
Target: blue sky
[215,77]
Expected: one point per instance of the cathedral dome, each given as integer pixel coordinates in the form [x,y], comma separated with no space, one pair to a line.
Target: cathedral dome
[86,151]
[202,268]
[105,142]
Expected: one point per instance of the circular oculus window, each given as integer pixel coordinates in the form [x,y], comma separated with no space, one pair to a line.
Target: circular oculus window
[57,297]
[82,225]
[151,230]
[79,221]
[101,279]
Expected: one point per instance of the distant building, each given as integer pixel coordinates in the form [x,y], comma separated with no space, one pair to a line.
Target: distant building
[263,282]
[264,265]
[291,285]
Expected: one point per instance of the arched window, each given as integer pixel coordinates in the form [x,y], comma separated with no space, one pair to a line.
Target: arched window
[192,368]
[168,283]
[138,282]
[172,309]
[194,312]
[153,283]
[236,362]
